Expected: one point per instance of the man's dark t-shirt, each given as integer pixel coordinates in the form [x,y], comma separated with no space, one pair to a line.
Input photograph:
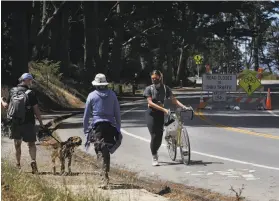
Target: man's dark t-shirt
[31,101]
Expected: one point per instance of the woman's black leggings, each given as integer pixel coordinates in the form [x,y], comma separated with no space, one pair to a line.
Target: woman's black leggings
[155,123]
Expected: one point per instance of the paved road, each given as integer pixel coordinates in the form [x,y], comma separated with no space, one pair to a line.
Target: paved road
[221,156]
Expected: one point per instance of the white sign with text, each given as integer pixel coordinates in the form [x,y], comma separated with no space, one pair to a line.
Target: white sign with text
[219,82]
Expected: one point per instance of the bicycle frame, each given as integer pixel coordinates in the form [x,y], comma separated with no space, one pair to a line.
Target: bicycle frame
[181,123]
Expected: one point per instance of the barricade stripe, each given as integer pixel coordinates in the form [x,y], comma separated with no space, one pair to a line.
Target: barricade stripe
[249,100]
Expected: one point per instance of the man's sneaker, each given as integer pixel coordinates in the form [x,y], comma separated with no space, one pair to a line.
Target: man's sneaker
[18,166]
[155,160]
[34,167]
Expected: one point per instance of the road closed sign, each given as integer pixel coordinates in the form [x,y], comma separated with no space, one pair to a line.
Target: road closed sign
[219,82]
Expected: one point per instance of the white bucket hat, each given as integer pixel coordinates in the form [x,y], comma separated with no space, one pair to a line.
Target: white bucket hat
[100,80]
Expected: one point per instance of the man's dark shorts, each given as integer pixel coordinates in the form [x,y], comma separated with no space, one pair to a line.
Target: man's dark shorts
[25,132]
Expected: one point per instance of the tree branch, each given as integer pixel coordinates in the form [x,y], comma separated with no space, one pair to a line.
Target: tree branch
[52,18]
[111,10]
[134,37]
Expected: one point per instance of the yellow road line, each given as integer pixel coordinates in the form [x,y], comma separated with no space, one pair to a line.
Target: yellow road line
[202,117]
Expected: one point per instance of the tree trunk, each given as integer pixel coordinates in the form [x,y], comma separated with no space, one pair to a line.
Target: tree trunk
[256,43]
[169,74]
[96,41]
[104,50]
[35,27]
[55,42]
[115,66]
[64,52]
[44,14]
[181,66]
[88,39]
[21,22]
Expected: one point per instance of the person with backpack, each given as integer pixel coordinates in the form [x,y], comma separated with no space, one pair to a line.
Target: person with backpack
[104,129]
[22,105]
[156,94]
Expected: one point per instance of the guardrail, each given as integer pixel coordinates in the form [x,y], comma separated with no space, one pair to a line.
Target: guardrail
[121,89]
[199,80]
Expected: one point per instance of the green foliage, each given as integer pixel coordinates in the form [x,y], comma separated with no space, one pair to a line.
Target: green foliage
[266,75]
[46,71]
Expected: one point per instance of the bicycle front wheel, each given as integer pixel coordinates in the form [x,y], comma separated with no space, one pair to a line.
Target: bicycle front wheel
[185,149]
[172,147]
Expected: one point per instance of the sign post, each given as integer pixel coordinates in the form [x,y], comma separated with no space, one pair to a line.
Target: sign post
[198,60]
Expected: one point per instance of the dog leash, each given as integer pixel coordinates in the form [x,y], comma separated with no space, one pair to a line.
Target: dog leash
[50,134]
[55,138]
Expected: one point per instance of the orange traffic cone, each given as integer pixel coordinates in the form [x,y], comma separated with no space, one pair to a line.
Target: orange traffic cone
[202,103]
[268,100]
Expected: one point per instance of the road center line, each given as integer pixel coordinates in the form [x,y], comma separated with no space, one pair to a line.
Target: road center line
[211,122]
[196,152]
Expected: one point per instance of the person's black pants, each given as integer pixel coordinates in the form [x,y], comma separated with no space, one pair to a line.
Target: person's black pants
[104,137]
[155,124]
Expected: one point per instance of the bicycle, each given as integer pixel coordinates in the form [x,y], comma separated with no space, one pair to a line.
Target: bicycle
[177,136]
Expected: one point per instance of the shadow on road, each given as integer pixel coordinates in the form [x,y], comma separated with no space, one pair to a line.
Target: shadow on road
[162,163]
[200,162]
[65,125]
[192,163]
[66,173]
[122,186]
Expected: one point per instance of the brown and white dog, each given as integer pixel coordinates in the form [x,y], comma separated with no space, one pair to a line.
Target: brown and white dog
[62,150]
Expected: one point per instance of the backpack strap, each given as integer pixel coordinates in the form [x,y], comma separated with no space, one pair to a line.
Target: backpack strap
[28,91]
[165,92]
[152,91]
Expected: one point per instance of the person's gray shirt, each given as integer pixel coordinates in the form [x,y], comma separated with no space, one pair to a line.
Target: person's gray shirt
[158,95]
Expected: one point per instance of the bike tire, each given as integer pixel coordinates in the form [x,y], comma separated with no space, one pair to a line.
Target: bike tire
[172,148]
[185,148]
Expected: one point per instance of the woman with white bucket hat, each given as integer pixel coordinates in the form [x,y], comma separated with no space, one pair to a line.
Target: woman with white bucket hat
[104,129]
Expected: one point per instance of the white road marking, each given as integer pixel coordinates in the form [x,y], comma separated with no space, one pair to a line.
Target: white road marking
[252,179]
[199,153]
[247,175]
[208,155]
[269,111]
[230,173]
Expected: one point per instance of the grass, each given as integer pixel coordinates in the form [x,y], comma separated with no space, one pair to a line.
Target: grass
[17,186]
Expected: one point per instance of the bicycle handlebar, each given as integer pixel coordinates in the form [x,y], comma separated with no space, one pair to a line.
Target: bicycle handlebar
[183,110]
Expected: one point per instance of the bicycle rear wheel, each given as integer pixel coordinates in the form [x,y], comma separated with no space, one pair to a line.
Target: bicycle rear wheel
[185,149]
[172,147]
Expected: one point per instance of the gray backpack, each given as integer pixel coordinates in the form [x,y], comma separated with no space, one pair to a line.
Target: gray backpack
[18,105]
